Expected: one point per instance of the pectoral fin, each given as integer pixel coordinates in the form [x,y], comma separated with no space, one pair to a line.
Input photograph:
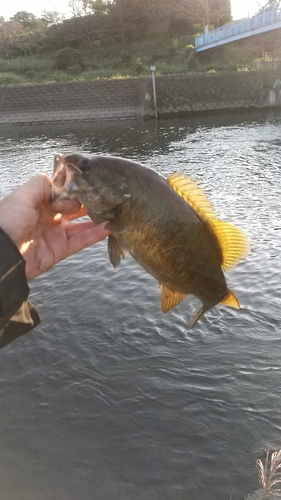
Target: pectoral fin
[170,299]
[115,251]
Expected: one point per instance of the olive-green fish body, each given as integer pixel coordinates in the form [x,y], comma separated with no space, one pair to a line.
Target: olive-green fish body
[151,219]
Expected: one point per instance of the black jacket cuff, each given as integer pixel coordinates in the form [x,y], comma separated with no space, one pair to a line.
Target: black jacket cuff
[13,285]
[17,315]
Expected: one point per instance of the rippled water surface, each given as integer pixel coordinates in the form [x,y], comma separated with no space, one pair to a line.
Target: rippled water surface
[110,399]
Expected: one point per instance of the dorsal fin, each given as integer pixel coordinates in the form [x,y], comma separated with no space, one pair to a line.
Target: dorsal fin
[170,298]
[233,243]
[192,194]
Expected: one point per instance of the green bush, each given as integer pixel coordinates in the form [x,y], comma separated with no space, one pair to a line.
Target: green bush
[156,56]
[24,48]
[171,52]
[126,57]
[6,78]
[188,49]
[68,57]
[192,61]
[31,74]
[139,67]
[57,76]
[75,69]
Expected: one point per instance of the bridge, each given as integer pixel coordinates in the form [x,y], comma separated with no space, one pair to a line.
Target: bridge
[265,20]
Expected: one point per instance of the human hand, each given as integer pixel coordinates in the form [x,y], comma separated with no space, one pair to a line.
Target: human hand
[42,229]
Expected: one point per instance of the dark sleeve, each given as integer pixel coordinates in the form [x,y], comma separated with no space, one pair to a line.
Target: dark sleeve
[17,314]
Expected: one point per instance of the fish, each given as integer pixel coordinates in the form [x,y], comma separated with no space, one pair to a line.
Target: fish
[167,225]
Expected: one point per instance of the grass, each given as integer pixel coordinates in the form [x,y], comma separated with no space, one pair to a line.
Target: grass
[21,65]
[270,474]
[170,54]
[8,78]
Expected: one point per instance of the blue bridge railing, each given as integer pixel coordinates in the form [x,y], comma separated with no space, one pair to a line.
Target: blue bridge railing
[266,20]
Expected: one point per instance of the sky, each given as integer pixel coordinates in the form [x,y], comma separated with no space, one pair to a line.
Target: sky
[240,8]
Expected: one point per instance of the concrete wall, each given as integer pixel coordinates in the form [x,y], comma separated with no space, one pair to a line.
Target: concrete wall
[133,98]
[70,101]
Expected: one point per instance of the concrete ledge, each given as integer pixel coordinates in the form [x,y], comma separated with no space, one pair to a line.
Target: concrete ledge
[67,116]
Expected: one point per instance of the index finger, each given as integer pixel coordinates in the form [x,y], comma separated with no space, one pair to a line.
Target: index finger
[81,213]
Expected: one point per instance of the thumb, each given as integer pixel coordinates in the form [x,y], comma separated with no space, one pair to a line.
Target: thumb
[68,207]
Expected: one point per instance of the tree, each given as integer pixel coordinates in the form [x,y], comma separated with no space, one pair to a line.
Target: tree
[200,13]
[129,18]
[86,7]
[26,19]
[272,3]
[51,17]
[219,12]
[10,34]
[122,16]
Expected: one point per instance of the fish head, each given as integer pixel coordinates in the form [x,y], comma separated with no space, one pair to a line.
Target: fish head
[92,180]
[69,180]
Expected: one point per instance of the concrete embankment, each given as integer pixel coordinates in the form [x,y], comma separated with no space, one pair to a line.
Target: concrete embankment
[133,98]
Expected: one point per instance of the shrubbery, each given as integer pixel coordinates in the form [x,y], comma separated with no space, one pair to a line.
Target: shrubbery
[189,48]
[75,69]
[139,67]
[126,57]
[192,61]
[69,57]
[7,78]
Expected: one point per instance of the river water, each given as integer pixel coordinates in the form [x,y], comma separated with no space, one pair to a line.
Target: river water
[109,399]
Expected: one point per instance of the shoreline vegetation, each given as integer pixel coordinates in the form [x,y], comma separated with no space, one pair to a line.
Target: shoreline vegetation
[111,43]
[113,61]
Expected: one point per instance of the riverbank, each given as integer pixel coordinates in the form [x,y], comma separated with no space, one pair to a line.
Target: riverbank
[133,97]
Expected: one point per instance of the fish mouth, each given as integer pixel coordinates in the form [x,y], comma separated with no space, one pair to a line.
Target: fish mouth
[63,184]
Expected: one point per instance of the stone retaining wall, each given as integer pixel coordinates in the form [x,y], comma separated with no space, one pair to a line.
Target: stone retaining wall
[69,101]
[133,97]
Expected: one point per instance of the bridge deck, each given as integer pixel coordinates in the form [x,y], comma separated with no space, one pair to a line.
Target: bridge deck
[266,20]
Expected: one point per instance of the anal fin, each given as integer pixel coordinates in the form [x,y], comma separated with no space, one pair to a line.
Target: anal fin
[170,299]
[230,300]
[115,251]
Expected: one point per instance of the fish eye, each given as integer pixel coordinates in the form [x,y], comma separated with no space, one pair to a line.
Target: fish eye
[84,164]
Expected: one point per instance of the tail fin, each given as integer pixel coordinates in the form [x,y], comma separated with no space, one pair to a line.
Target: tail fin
[229,300]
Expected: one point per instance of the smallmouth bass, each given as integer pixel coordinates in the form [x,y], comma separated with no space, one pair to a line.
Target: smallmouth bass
[167,225]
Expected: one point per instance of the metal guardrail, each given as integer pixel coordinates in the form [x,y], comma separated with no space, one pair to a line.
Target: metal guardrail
[265,20]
